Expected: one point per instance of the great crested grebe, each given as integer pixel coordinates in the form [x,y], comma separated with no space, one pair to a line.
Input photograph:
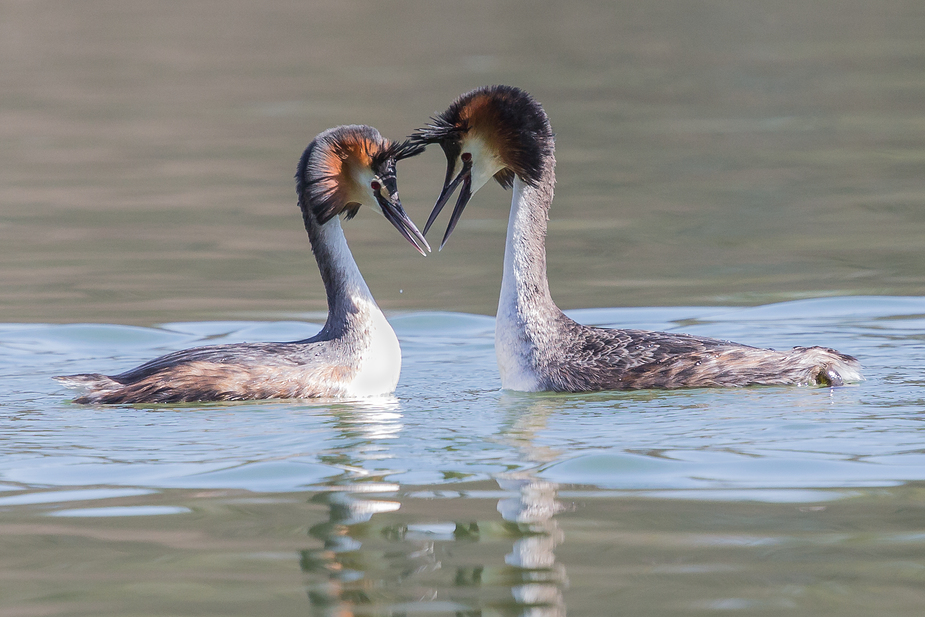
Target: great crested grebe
[356,353]
[501,132]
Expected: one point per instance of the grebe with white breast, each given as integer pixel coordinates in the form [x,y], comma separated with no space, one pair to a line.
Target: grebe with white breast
[501,132]
[356,354]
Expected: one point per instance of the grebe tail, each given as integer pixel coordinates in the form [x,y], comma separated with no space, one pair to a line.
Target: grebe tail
[501,132]
[356,353]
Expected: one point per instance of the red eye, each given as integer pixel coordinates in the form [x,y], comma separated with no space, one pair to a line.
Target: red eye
[375,185]
[466,157]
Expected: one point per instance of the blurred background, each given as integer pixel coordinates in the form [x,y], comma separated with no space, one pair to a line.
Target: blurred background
[709,152]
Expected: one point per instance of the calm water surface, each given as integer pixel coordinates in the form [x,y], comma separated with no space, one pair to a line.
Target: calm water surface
[752,170]
[453,497]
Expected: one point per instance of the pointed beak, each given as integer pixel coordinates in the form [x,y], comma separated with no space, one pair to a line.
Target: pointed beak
[395,214]
[449,186]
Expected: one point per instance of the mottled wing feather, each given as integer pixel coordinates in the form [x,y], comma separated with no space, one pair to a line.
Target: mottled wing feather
[223,373]
[608,359]
[273,354]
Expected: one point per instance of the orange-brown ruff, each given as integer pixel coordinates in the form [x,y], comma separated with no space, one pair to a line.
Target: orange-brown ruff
[355,354]
[501,132]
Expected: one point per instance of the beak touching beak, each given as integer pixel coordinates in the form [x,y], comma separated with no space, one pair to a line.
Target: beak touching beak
[395,214]
[465,178]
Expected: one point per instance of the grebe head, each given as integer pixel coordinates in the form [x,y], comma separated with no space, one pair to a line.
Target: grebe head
[350,166]
[491,132]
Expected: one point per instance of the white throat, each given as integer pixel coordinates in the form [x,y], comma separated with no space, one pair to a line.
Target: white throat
[374,348]
[514,344]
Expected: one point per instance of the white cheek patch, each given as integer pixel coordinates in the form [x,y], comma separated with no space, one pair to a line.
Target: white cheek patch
[364,194]
[485,161]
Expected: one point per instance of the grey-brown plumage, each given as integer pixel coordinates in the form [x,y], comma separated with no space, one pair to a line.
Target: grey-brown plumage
[355,354]
[609,359]
[501,132]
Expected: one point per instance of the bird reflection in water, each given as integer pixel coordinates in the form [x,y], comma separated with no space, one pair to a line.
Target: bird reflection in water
[342,561]
[393,550]
[534,508]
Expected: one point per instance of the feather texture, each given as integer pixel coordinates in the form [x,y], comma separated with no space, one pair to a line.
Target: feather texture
[537,346]
[355,354]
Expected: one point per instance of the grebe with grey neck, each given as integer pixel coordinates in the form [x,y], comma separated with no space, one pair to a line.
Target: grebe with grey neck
[356,354]
[501,132]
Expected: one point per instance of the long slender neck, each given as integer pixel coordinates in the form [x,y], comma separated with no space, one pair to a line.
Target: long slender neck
[529,324]
[525,297]
[349,298]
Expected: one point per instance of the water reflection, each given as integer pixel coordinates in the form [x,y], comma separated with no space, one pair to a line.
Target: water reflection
[342,563]
[532,511]
[534,508]
[386,550]
[363,428]
[370,419]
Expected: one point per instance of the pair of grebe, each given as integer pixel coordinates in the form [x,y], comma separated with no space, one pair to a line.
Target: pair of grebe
[496,132]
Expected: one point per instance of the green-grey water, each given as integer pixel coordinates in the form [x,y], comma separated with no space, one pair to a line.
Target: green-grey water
[744,170]
[709,152]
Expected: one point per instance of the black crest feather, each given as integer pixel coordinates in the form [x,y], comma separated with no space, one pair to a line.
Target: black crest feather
[320,173]
[517,122]
[399,150]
